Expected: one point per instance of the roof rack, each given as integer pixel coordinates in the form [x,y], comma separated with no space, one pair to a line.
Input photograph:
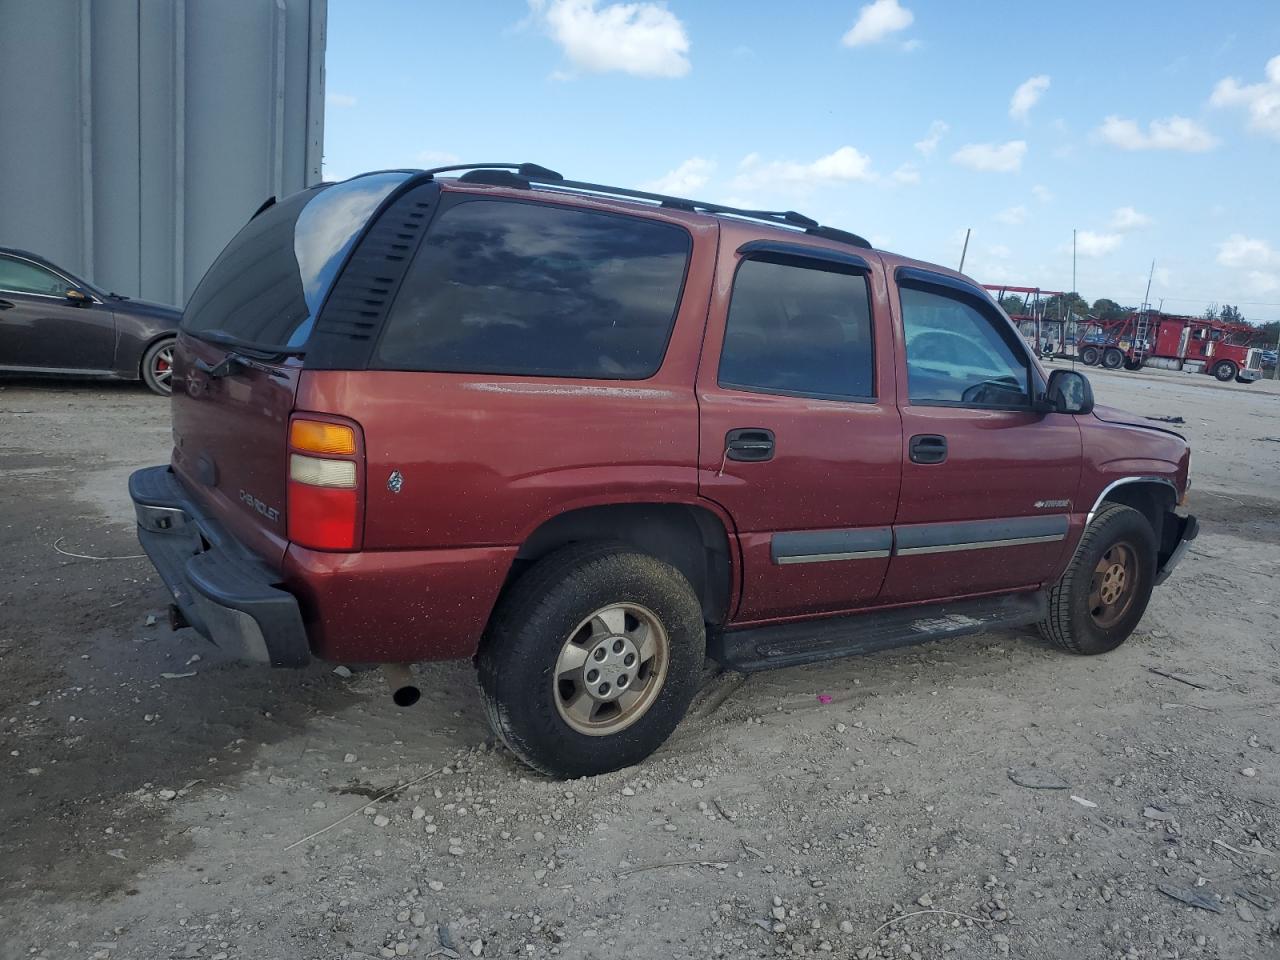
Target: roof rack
[524,175]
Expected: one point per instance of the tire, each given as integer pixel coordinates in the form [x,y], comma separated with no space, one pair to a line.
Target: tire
[1112,358]
[1073,622]
[1090,356]
[1224,371]
[1132,364]
[548,616]
[157,367]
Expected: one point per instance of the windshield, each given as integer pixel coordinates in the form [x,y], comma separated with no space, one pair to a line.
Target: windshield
[267,286]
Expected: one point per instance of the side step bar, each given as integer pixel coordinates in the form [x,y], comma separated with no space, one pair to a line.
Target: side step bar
[752,649]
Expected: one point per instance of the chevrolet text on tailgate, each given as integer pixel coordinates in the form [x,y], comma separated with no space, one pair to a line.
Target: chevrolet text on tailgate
[591,437]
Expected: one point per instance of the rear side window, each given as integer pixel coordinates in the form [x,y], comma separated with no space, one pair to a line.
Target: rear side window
[798,330]
[268,284]
[537,290]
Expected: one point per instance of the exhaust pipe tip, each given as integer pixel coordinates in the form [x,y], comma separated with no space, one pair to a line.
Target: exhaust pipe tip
[404,692]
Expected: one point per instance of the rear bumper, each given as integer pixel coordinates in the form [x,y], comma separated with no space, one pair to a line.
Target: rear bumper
[1187,530]
[224,591]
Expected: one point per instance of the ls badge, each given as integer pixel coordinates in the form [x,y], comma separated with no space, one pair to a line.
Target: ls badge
[395,481]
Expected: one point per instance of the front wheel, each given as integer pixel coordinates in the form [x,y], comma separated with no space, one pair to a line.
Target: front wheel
[157,367]
[591,659]
[1225,371]
[1105,590]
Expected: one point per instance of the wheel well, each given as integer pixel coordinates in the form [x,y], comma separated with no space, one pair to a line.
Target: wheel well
[691,539]
[1152,500]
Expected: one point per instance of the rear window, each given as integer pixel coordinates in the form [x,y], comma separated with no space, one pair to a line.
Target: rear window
[268,284]
[538,290]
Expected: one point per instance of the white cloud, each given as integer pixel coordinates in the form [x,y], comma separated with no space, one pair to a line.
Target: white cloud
[644,39]
[844,165]
[1127,218]
[1027,95]
[1172,133]
[992,157]
[340,100]
[906,174]
[937,130]
[1262,100]
[1262,282]
[876,21]
[999,251]
[1241,251]
[1090,244]
[1042,193]
[1013,215]
[437,158]
[689,177]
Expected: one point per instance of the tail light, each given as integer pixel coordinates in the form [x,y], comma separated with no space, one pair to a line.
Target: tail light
[325,474]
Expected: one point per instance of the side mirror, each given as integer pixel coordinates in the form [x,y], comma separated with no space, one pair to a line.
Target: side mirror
[78,297]
[1068,392]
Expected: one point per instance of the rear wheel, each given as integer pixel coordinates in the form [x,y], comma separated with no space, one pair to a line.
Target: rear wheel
[157,367]
[1112,358]
[1090,356]
[591,659]
[1224,370]
[1105,590]
[1132,364]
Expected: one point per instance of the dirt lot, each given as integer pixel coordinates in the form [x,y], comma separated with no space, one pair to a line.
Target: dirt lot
[154,793]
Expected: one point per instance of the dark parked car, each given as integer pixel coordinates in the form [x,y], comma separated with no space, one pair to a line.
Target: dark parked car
[52,322]
[590,437]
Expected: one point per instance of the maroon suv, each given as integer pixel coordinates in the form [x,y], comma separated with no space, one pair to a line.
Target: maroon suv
[590,436]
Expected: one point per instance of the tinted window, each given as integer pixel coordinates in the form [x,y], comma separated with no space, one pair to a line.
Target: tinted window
[19,276]
[268,283]
[534,289]
[795,329]
[959,354]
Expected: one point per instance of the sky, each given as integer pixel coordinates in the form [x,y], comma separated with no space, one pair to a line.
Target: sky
[1150,128]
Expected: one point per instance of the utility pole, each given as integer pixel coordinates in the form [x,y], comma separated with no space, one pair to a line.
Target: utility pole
[1074,289]
[966,248]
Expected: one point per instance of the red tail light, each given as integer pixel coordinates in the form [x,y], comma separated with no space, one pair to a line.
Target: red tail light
[325,495]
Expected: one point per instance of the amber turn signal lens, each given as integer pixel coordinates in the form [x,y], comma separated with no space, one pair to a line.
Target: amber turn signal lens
[316,436]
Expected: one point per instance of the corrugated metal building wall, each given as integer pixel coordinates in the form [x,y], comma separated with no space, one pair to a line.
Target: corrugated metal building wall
[139,135]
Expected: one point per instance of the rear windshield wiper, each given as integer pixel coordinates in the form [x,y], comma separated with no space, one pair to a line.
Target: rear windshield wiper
[263,351]
[235,358]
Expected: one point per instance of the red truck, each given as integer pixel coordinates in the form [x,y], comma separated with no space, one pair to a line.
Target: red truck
[1170,342]
[590,437]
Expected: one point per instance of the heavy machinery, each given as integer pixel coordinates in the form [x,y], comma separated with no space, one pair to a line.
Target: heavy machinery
[1150,338]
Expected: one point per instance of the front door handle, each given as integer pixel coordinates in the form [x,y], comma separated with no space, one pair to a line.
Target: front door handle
[928,448]
[6,304]
[749,445]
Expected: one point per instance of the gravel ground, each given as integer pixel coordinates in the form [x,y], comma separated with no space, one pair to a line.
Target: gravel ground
[985,797]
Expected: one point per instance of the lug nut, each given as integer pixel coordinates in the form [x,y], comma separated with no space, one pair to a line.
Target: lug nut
[617,646]
[604,689]
[629,659]
[593,676]
[600,653]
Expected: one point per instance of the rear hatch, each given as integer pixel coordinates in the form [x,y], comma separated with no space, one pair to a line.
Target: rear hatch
[238,360]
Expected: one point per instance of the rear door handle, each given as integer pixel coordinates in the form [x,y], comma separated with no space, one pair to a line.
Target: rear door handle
[928,448]
[749,444]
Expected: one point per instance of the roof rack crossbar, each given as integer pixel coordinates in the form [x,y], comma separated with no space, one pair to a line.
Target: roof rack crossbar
[534,173]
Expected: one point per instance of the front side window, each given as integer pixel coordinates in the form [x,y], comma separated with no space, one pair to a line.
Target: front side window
[798,330]
[956,353]
[19,276]
[531,289]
